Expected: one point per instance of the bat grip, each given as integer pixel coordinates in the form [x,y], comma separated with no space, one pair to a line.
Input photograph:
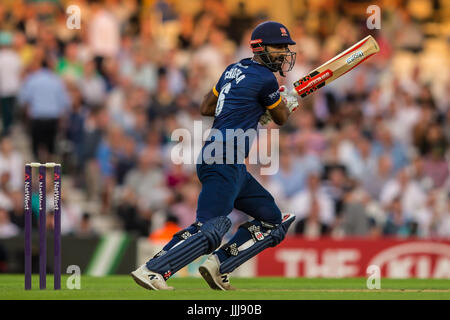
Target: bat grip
[294,93]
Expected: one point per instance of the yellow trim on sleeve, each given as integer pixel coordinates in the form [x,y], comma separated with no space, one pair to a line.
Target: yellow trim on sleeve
[274,105]
[215,91]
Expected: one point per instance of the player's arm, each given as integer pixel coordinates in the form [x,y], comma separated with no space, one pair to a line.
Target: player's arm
[208,105]
[279,113]
[277,102]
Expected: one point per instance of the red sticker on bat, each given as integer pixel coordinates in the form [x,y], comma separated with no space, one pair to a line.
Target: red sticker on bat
[309,84]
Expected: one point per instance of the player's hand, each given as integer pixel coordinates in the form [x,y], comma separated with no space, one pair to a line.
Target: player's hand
[265,118]
[289,99]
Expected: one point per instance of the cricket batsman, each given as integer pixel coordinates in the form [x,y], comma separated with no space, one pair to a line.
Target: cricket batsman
[246,93]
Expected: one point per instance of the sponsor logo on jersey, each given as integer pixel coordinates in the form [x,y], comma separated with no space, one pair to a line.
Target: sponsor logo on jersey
[235,73]
[274,95]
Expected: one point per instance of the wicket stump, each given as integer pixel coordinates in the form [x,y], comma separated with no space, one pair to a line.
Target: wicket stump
[42,224]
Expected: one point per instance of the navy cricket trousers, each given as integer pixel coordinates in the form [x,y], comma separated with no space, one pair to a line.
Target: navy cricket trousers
[228,186]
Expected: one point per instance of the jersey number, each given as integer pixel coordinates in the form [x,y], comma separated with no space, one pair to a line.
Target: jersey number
[226,88]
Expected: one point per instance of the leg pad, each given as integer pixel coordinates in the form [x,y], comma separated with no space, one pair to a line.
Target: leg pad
[184,252]
[260,238]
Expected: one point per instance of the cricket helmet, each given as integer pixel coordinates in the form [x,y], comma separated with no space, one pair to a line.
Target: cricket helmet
[271,33]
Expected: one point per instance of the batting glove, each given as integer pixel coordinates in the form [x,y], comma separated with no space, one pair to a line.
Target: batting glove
[265,118]
[289,99]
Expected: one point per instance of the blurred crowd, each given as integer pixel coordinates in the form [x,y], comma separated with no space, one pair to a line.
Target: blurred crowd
[365,156]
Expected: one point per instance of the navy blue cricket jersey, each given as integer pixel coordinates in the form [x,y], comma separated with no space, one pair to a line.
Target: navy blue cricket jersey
[245,91]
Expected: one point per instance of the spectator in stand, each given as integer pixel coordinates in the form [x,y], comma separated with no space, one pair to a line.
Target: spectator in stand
[184,37]
[108,156]
[85,228]
[6,196]
[376,177]
[432,217]
[94,129]
[347,148]
[274,186]
[136,203]
[140,70]
[103,34]
[213,55]
[162,102]
[92,85]
[314,209]
[126,159]
[69,67]
[46,99]
[74,128]
[365,159]
[140,127]
[290,176]
[23,49]
[11,181]
[307,132]
[399,223]
[356,219]
[10,73]
[436,166]
[336,185]
[11,162]
[385,143]
[405,114]
[7,228]
[330,158]
[446,126]
[311,226]
[420,130]
[443,227]
[296,163]
[418,173]
[175,75]
[47,41]
[176,176]
[185,210]
[404,187]
[355,152]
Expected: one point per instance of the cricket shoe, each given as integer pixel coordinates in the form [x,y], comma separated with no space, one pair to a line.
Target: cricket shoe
[149,280]
[210,272]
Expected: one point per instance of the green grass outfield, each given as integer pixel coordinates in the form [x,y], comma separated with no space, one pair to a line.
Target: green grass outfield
[123,287]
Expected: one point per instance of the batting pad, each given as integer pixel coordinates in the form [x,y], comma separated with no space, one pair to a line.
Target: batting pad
[203,242]
[256,244]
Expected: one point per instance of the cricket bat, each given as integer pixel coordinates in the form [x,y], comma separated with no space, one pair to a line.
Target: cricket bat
[336,67]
